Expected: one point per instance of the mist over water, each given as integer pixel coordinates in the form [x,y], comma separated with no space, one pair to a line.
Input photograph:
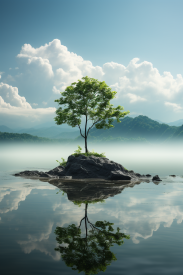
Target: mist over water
[154,159]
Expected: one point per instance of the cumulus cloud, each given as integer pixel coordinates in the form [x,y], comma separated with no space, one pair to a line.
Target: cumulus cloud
[13,107]
[174,106]
[43,64]
[47,70]
[10,94]
[41,243]
[55,90]
[10,198]
[17,194]
[135,98]
[62,65]
[139,85]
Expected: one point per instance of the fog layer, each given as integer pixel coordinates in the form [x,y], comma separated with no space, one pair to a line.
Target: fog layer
[157,159]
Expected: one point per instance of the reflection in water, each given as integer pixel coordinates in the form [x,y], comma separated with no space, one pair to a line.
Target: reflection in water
[88,252]
[30,211]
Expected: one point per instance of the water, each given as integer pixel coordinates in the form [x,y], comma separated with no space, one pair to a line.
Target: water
[31,210]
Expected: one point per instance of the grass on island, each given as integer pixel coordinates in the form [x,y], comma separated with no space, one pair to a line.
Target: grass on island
[78,153]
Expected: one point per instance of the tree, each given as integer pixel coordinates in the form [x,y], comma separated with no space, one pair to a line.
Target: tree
[90,98]
[90,252]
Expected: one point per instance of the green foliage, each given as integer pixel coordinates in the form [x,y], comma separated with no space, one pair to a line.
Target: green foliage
[63,193]
[78,153]
[90,254]
[63,163]
[90,98]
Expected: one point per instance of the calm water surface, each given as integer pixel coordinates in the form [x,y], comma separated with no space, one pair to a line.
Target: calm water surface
[151,214]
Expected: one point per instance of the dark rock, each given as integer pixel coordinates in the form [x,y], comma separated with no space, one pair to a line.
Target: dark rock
[58,171]
[93,167]
[173,176]
[156,178]
[138,175]
[118,175]
[43,175]
[148,175]
[91,190]
[130,171]
[83,167]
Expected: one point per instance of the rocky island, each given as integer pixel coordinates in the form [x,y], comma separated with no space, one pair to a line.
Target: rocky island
[88,167]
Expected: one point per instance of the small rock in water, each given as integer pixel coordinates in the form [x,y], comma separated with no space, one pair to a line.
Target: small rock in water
[138,175]
[156,178]
[172,175]
[148,175]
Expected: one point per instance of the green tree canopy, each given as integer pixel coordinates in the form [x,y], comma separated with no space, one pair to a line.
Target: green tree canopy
[89,252]
[90,98]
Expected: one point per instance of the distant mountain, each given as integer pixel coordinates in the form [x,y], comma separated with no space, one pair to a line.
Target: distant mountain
[178,134]
[51,132]
[20,137]
[26,138]
[176,123]
[14,137]
[133,116]
[138,127]
[6,129]
[54,132]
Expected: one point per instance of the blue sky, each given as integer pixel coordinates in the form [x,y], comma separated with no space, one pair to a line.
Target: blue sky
[135,46]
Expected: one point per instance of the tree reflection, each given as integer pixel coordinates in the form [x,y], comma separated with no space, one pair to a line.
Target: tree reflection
[88,252]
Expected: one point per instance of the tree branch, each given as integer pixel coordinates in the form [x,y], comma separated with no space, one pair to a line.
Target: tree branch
[80,131]
[80,222]
[93,225]
[93,125]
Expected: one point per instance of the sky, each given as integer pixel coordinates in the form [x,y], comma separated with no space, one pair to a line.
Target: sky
[134,46]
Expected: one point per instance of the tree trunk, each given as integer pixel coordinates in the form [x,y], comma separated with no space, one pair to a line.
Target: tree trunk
[86,206]
[86,148]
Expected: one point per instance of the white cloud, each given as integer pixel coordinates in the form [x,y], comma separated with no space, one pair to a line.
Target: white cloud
[18,194]
[13,107]
[44,103]
[40,242]
[135,98]
[43,64]
[10,94]
[55,90]
[49,69]
[174,106]
[63,66]
[138,82]
[16,68]
[10,199]
[145,80]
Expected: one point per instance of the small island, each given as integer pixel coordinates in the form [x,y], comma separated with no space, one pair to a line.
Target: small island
[89,166]
[88,98]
